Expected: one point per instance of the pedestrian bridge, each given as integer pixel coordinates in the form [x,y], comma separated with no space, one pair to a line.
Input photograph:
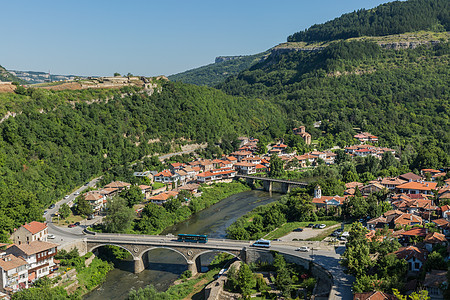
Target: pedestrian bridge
[138,245]
[286,185]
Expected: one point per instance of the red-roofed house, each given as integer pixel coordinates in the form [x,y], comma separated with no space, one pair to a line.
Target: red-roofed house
[414,256]
[96,200]
[240,155]
[408,219]
[376,295]
[445,211]
[163,197]
[165,176]
[33,231]
[417,187]
[216,174]
[13,273]
[366,137]
[434,238]
[245,168]
[39,256]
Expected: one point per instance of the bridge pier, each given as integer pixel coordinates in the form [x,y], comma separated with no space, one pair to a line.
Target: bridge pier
[267,185]
[138,265]
[192,266]
[285,188]
[250,182]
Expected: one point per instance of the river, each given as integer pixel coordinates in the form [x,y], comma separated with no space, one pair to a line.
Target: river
[166,265]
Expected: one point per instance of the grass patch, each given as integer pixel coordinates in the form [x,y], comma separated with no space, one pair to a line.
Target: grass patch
[290,226]
[157,185]
[69,220]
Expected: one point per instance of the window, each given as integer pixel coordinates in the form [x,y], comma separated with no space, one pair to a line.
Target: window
[417,266]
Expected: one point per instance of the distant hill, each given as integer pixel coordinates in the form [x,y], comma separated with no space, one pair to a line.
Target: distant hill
[213,74]
[386,19]
[33,77]
[7,76]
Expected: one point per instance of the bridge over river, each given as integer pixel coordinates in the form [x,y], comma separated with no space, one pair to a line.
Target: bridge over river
[324,264]
[286,185]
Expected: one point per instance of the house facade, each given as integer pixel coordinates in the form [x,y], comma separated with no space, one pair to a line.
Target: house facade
[33,231]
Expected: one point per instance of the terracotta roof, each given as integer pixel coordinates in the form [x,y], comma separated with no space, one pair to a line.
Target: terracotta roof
[445,208]
[164,196]
[144,187]
[280,146]
[93,196]
[241,153]
[435,238]
[35,247]
[325,199]
[259,166]
[410,176]
[409,252]
[117,184]
[376,295]
[393,212]
[421,186]
[10,261]
[353,184]
[430,171]
[35,227]
[392,181]
[415,232]
[107,191]
[164,173]
[177,165]
[407,219]
[231,158]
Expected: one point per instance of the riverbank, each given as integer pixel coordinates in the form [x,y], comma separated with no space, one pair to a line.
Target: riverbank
[156,219]
[166,265]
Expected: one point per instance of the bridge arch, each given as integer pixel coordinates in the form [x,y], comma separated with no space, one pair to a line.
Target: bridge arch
[217,250]
[146,250]
[91,249]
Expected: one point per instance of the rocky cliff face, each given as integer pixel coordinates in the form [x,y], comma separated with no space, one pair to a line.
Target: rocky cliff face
[406,45]
[226,58]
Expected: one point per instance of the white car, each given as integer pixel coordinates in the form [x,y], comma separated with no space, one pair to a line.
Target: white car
[66,197]
[322,226]
[77,193]
[51,236]
[303,249]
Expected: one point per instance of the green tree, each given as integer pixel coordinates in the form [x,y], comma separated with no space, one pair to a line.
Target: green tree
[64,211]
[119,216]
[357,254]
[133,195]
[246,280]
[276,166]
[83,207]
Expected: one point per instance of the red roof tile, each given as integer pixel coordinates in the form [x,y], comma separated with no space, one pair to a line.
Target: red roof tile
[35,227]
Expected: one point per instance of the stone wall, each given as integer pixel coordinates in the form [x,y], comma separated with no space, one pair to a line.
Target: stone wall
[79,244]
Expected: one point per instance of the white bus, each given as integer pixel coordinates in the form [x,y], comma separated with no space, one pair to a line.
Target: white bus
[261,243]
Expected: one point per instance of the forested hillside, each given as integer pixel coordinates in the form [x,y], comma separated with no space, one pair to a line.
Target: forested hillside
[6,76]
[58,140]
[401,96]
[390,18]
[213,74]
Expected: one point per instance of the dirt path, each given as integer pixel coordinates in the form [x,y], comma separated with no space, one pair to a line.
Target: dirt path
[202,283]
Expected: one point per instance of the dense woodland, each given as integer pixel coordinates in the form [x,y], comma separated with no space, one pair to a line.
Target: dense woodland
[213,74]
[58,140]
[390,18]
[401,96]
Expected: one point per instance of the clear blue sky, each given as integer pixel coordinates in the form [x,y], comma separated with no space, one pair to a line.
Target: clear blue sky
[100,37]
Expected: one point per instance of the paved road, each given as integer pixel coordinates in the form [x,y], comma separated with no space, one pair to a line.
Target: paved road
[64,234]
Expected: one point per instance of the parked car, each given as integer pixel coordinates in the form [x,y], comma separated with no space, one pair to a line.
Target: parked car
[77,223]
[298,229]
[45,212]
[345,234]
[66,197]
[303,249]
[72,225]
[310,225]
[51,236]
[316,226]
[77,193]
[90,217]
[343,239]
[337,232]
[52,206]
[322,226]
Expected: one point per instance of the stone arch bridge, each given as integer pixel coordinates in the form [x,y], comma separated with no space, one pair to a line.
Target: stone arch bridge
[138,245]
